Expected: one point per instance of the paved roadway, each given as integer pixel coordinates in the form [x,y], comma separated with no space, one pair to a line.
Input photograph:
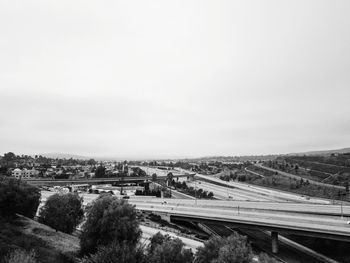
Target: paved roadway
[323,209]
[222,192]
[254,193]
[294,216]
[329,227]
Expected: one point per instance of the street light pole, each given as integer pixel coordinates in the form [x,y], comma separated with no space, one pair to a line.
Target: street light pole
[341,207]
[228,196]
[195,191]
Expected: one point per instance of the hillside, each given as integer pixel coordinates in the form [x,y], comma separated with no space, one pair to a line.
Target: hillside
[49,245]
[324,152]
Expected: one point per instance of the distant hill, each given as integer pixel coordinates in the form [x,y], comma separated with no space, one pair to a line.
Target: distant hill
[65,156]
[324,152]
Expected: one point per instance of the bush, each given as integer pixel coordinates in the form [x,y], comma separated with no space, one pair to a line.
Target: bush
[264,258]
[163,249]
[157,239]
[109,220]
[20,256]
[234,248]
[116,253]
[18,197]
[62,212]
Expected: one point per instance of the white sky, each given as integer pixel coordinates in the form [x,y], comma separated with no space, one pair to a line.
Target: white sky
[142,79]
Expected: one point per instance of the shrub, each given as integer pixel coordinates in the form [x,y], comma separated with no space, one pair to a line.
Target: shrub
[163,249]
[18,197]
[20,256]
[62,212]
[116,253]
[109,220]
[234,248]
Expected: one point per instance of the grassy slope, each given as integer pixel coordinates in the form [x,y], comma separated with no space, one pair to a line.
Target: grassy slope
[49,245]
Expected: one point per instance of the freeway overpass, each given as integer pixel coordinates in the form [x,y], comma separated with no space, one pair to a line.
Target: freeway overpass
[316,220]
[111,180]
[321,221]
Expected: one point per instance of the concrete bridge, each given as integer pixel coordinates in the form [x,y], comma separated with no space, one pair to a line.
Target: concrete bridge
[321,221]
[110,180]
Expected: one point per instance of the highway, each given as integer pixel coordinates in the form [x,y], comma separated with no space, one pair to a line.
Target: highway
[255,193]
[289,216]
[316,209]
[324,226]
[222,192]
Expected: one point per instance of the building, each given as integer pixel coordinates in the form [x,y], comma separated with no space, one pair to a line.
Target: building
[17,173]
[28,173]
[25,173]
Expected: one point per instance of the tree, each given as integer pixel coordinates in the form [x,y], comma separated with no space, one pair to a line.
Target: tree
[154,177]
[100,171]
[296,168]
[91,162]
[234,248]
[109,220]
[62,212]
[163,249]
[116,253]
[170,177]
[10,156]
[18,197]
[157,239]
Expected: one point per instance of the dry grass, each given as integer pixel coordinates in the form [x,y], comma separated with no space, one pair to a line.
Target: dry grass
[49,246]
[58,240]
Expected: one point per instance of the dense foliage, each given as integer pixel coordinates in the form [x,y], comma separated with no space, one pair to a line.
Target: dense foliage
[100,172]
[11,160]
[20,256]
[62,212]
[109,220]
[116,253]
[163,249]
[18,197]
[234,248]
[196,192]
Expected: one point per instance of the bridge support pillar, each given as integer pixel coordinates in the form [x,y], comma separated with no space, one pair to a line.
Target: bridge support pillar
[274,238]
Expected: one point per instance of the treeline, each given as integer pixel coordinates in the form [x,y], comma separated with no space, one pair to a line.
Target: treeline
[101,172]
[199,193]
[11,160]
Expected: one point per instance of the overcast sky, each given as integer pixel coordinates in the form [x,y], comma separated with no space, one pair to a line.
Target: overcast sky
[143,79]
